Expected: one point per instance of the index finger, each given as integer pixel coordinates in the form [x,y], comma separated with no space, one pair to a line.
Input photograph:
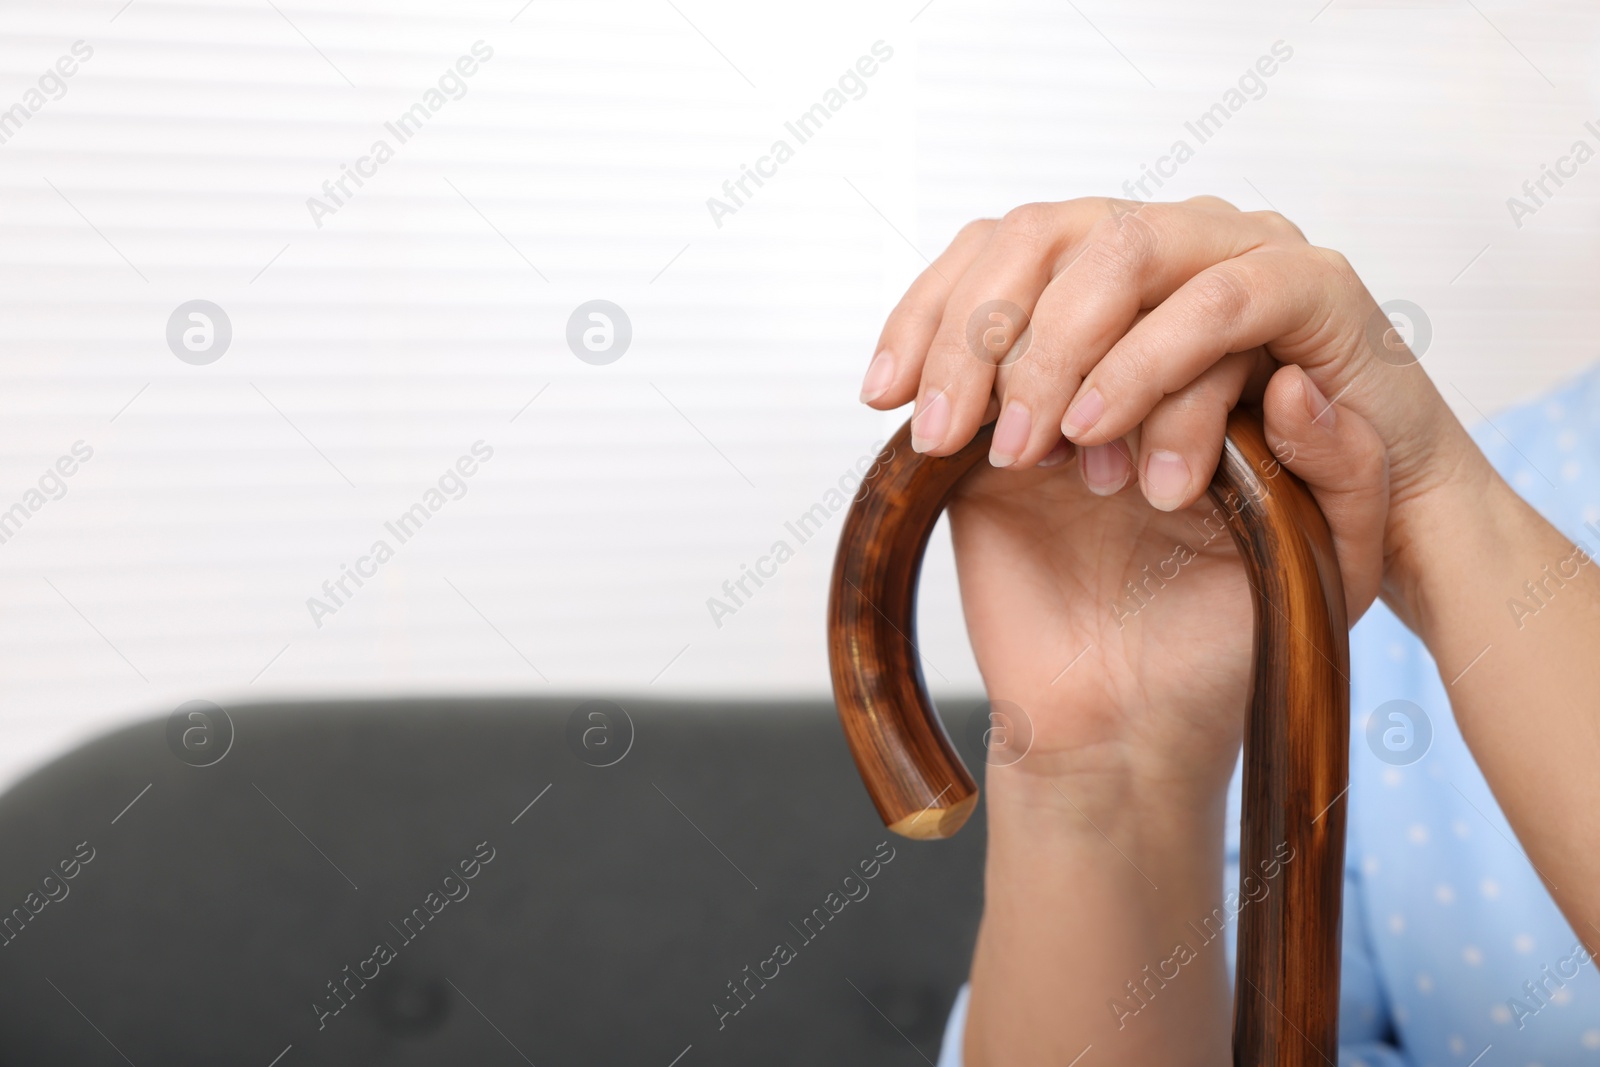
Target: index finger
[902,345]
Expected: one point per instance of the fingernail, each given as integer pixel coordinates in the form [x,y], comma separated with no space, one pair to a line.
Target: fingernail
[1010,435]
[1166,479]
[1056,455]
[1105,469]
[880,375]
[1082,415]
[930,423]
[1322,413]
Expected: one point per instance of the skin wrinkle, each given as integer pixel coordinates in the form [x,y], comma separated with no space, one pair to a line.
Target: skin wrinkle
[1129,252]
[1113,365]
[1034,378]
[1031,221]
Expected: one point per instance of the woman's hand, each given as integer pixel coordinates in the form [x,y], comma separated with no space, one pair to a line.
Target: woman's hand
[1144,326]
[1148,322]
[1121,629]
[1123,633]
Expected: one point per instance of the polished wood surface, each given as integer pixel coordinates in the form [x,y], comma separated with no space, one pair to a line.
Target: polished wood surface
[1286,999]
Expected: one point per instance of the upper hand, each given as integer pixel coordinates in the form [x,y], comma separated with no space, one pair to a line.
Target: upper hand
[1130,330]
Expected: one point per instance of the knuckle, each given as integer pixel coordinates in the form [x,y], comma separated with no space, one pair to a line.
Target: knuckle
[1201,407]
[1206,200]
[920,307]
[1125,245]
[1360,472]
[1374,470]
[1213,399]
[1134,373]
[1278,225]
[947,344]
[1370,460]
[1222,293]
[1182,406]
[1031,223]
[1040,368]
[976,230]
[1337,261]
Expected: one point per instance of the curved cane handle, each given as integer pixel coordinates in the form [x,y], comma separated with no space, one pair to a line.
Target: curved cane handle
[1296,734]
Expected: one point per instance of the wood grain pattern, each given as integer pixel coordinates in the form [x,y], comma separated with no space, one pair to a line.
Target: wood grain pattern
[919,784]
[1286,998]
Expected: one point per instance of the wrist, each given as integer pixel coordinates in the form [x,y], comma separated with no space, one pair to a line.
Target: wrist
[1147,813]
[1446,511]
[1487,562]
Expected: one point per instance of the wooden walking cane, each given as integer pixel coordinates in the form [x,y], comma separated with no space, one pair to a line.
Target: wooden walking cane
[1286,999]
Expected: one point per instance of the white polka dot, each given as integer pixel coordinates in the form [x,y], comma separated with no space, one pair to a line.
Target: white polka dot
[1425,983]
[1491,888]
[1457,1045]
[1418,834]
[1444,894]
[1401,1015]
[1523,943]
[1370,865]
[1500,1014]
[1591,1039]
[1392,777]
[1397,924]
[1523,480]
[1397,651]
[1555,411]
[1591,514]
[1570,471]
[1462,829]
[1472,954]
[1566,440]
[1561,997]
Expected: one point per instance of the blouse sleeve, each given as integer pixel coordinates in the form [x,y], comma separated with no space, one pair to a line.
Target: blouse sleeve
[954,1030]
[1366,1030]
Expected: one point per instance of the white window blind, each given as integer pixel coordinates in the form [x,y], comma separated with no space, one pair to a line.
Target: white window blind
[382,334]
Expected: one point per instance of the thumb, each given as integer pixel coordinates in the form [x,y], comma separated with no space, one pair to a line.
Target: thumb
[1342,460]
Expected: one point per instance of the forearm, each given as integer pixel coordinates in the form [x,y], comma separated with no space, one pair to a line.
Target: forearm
[1088,898]
[1510,610]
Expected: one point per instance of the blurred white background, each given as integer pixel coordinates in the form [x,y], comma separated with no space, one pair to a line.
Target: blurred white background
[429,311]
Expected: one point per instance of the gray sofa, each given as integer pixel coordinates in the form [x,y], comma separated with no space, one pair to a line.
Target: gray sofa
[367,883]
